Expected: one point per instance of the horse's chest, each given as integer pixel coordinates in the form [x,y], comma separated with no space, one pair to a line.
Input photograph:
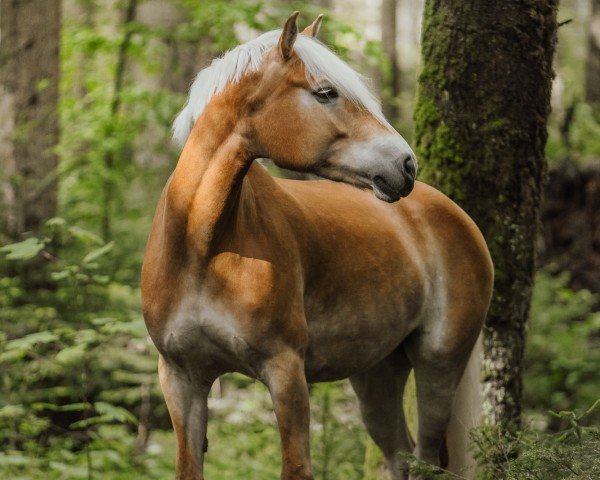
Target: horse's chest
[202,334]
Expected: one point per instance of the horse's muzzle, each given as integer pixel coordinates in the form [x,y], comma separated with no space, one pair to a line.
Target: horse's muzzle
[390,186]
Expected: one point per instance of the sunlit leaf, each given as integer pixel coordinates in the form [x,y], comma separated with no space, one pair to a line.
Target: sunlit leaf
[61,275]
[95,254]
[71,355]
[71,407]
[85,235]
[25,250]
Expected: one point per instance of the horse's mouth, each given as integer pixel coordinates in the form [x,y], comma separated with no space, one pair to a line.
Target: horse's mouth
[378,185]
[384,191]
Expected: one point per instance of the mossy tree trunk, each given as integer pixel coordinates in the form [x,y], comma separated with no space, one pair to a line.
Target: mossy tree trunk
[480,132]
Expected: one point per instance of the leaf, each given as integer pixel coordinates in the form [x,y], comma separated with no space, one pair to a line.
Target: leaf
[60,275]
[594,407]
[57,222]
[135,328]
[71,407]
[95,254]
[15,459]
[85,235]
[18,347]
[102,320]
[119,414]
[12,411]
[107,413]
[24,250]
[101,279]
[71,355]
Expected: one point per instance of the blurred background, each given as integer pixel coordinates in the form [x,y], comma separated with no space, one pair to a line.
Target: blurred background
[79,392]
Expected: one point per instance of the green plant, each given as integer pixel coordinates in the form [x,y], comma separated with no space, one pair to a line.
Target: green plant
[562,354]
[569,454]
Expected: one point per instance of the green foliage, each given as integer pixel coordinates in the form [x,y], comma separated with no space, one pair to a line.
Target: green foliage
[562,353]
[583,136]
[569,454]
[338,437]
[569,91]
[73,354]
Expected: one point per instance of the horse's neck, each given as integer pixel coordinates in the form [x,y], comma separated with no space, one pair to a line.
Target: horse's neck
[208,188]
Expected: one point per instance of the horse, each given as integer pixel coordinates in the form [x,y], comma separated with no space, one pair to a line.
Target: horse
[364,274]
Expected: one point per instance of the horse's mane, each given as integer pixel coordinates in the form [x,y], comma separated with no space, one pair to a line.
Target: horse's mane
[319,62]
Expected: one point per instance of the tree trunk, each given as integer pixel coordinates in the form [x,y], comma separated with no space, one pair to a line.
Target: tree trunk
[388,43]
[592,71]
[29,72]
[480,132]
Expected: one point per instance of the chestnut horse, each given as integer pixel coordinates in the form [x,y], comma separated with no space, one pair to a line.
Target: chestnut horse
[292,282]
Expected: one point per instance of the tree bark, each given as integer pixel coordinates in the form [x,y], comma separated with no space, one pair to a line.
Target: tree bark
[592,71]
[388,44]
[29,76]
[480,132]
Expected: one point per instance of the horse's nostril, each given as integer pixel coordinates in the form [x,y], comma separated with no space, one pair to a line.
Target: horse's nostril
[409,166]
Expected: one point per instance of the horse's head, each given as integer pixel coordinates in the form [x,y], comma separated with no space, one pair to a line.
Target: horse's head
[307,110]
[315,114]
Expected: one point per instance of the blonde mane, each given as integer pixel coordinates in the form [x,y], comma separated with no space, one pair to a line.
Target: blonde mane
[320,63]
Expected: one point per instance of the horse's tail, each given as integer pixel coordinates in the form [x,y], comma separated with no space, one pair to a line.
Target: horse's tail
[466,415]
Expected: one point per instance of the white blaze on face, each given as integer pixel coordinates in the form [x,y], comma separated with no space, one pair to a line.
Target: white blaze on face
[371,156]
[384,163]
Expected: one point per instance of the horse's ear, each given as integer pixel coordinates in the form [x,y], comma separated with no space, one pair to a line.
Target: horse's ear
[313,29]
[288,36]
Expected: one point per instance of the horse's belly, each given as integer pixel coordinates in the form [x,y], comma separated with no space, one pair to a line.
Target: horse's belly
[347,343]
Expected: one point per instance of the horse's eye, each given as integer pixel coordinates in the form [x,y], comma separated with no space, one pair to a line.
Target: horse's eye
[325,94]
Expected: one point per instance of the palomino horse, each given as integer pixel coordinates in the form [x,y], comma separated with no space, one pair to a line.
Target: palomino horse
[293,282]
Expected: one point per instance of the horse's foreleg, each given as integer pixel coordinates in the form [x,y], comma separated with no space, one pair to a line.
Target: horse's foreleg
[379,391]
[187,404]
[285,378]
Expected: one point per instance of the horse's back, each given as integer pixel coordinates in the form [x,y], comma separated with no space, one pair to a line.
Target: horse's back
[426,219]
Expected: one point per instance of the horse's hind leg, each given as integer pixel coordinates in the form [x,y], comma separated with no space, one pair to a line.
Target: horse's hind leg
[187,404]
[379,392]
[438,371]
